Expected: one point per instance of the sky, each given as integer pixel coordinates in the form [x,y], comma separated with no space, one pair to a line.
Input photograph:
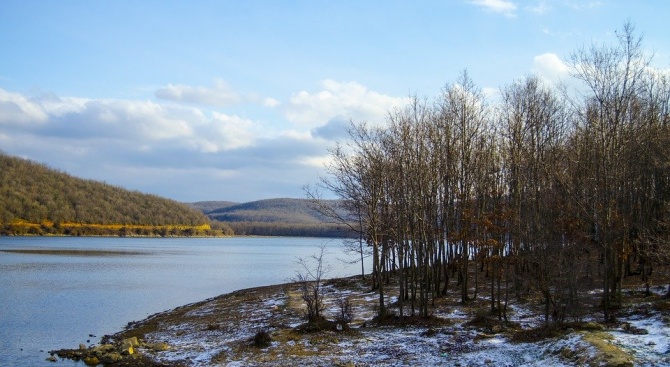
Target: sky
[242,100]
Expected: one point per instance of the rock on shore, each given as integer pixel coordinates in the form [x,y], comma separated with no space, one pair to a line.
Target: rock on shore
[125,352]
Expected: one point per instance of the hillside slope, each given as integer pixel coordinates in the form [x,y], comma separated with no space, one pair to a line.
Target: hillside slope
[209,206]
[271,210]
[275,217]
[32,193]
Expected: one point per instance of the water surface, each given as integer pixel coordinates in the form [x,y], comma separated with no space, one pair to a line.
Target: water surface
[55,292]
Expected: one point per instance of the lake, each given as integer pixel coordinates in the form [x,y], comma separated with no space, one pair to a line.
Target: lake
[56,291]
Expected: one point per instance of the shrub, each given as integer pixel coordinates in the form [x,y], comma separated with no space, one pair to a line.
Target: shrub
[310,279]
[262,339]
[346,314]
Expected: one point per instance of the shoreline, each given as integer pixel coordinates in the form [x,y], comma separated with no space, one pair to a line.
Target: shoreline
[158,236]
[73,252]
[220,331]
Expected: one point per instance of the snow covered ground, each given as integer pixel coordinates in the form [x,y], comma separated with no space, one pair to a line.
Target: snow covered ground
[219,332]
[651,349]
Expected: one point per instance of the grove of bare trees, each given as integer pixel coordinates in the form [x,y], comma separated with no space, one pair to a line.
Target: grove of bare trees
[548,191]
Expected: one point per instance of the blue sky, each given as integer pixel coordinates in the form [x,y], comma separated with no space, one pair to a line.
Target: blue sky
[240,100]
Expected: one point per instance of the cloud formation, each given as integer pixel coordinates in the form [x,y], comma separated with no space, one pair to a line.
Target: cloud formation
[146,123]
[550,67]
[184,151]
[581,5]
[336,129]
[220,94]
[17,109]
[351,99]
[540,8]
[504,7]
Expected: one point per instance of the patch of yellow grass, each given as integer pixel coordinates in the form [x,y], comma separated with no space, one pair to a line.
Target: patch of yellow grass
[608,354]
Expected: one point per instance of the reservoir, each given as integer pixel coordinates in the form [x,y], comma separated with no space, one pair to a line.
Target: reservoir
[57,292]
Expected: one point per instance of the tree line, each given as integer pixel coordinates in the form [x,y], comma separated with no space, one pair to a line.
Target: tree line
[550,190]
[275,217]
[289,229]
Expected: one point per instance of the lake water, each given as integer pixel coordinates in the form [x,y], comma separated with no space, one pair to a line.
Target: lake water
[53,301]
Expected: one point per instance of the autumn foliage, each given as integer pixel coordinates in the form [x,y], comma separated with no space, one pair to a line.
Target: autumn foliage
[38,200]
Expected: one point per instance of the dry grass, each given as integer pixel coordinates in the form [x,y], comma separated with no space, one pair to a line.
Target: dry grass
[608,354]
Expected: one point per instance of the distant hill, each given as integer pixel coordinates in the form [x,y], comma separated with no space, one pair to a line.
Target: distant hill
[209,206]
[270,210]
[274,217]
[36,199]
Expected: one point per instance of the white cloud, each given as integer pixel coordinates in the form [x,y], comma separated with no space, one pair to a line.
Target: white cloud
[218,95]
[581,5]
[491,92]
[540,7]
[271,102]
[141,121]
[658,73]
[148,125]
[316,161]
[550,67]
[183,152]
[339,99]
[16,109]
[229,132]
[504,7]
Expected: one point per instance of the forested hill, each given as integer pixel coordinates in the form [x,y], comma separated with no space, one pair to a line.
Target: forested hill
[36,199]
[274,217]
[270,210]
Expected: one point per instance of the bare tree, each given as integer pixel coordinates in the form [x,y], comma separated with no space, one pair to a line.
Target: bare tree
[550,194]
[532,119]
[613,76]
[464,110]
[310,277]
[357,177]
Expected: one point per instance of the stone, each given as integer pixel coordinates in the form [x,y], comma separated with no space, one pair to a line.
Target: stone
[632,329]
[158,347]
[91,361]
[592,325]
[127,349]
[52,359]
[102,348]
[111,357]
[132,341]
[82,346]
[496,329]
[638,331]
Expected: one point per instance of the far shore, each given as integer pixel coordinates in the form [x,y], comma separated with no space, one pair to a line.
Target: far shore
[138,236]
[74,252]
